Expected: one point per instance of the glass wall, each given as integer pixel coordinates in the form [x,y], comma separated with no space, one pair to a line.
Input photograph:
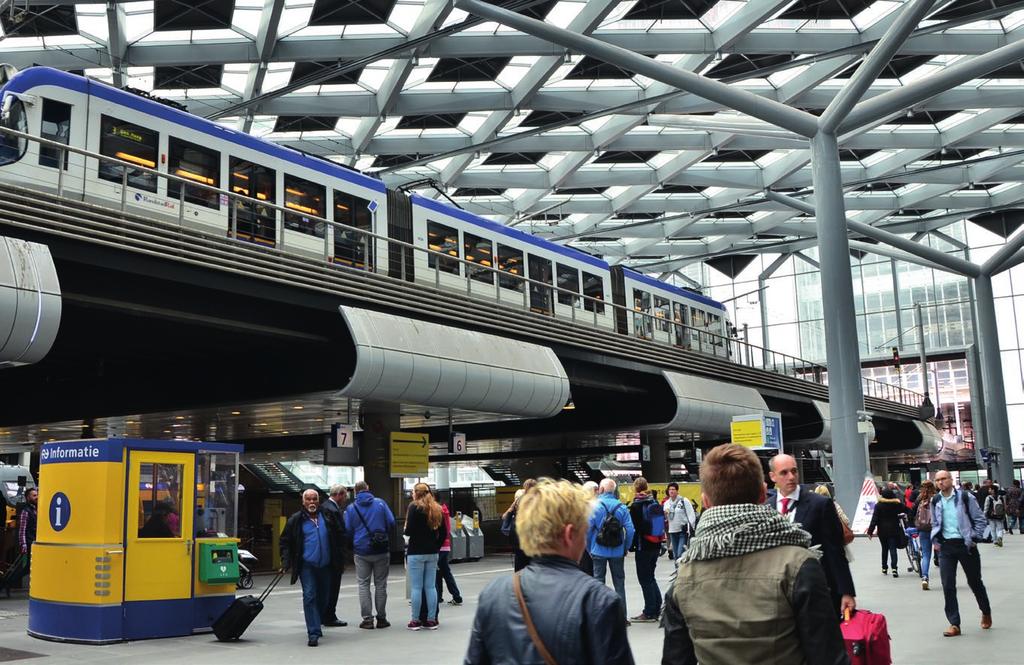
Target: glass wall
[788,316]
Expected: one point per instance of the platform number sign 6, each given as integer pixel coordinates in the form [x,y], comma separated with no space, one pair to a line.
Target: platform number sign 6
[457,444]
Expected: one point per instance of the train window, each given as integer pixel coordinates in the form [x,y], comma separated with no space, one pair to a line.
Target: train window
[642,307]
[480,251]
[255,221]
[12,148]
[569,280]
[56,126]
[133,144]
[350,246]
[444,239]
[662,312]
[540,271]
[308,198]
[679,316]
[593,287]
[198,164]
[510,260]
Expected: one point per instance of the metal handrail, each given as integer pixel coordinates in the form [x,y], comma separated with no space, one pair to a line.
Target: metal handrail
[738,350]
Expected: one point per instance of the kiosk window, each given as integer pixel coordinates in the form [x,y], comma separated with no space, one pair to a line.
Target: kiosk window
[444,239]
[195,163]
[350,246]
[480,251]
[130,143]
[593,287]
[56,126]
[216,495]
[160,500]
[256,220]
[568,279]
[510,261]
[308,199]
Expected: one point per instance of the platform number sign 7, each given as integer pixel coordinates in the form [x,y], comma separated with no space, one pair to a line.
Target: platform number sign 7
[341,436]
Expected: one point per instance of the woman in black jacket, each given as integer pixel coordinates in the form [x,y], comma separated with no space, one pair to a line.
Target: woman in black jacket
[427,532]
[886,520]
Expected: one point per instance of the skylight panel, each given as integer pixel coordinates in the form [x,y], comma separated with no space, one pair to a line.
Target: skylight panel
[473,121]
[140,77]
[875,12]
[516,69]
[1013,20]
[779,79]
[92,22]
[455,17]
[295,16]
[348,126]
[828,25]
[420,72]
[562,14]
[247,16]
[405,14]
[263,125]
[374,74]
[954,120]
[278,75]
[236,75]
[721,12]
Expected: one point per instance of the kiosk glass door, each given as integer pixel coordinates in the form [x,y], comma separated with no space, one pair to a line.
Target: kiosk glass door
[158,557]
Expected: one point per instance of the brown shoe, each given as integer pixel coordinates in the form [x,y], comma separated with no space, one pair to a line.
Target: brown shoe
[952,631]
[986,621]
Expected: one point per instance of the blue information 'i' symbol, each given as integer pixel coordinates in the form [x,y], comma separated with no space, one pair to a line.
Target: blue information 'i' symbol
[60,511]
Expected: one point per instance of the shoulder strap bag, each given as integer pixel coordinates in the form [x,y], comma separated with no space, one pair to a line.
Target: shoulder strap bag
[530,627]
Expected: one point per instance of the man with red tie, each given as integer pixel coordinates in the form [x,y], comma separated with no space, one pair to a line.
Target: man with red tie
[816,515]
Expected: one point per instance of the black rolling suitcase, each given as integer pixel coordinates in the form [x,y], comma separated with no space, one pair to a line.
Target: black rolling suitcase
[237,617]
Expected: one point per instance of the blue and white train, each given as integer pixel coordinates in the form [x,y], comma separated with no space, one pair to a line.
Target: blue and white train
[91,115]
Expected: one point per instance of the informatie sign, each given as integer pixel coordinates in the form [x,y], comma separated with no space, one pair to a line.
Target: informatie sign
[409,455]
[758,430]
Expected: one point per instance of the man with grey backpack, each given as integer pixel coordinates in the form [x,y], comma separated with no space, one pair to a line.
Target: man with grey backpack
[609,534]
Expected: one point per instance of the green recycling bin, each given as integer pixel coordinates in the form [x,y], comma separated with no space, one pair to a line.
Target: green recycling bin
[218,563]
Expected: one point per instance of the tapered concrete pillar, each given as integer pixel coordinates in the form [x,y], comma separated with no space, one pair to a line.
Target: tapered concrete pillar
[846,398]
[379,420]
[997,426]
[654,457]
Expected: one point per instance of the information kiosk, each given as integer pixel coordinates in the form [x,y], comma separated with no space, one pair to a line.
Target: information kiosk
[136,539]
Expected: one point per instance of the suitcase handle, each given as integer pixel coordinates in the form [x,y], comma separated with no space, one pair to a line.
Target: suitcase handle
[270,587]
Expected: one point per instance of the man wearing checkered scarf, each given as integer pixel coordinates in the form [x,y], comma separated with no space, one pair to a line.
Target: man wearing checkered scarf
[748,588]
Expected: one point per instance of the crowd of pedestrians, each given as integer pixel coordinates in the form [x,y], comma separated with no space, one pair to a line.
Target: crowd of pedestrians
[781,554]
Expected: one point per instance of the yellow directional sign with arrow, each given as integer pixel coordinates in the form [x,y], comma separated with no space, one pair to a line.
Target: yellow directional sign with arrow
[409,455]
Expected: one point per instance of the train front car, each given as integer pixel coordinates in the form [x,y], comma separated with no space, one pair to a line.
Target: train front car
[225,182]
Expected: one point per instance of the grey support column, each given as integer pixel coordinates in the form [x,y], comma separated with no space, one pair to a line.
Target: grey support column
[655,468]
[849,447]
[379,419]
[986,336]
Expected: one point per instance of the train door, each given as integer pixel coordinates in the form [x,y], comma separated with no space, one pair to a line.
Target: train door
[540,271]
[641,310]
[158,533]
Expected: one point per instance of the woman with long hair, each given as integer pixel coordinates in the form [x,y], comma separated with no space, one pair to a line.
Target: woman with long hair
[923,523]
[427,532]
[886,519]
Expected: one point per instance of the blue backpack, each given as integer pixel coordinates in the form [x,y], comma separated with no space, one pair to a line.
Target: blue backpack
[654,515]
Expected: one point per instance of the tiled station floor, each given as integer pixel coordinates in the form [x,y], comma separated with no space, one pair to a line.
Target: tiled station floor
[915,618]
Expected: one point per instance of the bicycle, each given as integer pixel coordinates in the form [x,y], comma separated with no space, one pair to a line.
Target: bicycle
[913,550]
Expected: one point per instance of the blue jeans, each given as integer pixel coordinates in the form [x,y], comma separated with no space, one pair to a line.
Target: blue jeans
[422,575]
[617,565]
[1014,522]
[316,589]
[924,539]
[444,574]
[645,564]
[677,541]
[889,547]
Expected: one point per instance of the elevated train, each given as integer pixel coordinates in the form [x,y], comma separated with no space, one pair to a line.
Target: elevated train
[90,115]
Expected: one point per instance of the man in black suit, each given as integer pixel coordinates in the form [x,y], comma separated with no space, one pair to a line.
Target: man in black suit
[816,515]
[335,505]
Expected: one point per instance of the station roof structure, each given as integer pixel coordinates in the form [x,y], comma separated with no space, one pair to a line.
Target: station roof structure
[568,147]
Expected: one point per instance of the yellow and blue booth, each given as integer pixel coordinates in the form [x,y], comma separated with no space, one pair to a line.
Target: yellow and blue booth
[136,539]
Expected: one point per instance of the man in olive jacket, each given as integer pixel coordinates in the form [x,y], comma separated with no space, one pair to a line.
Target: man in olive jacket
[769,589]
[311,549]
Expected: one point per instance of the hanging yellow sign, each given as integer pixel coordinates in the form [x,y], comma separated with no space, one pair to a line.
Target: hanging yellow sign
[749,433]
[410,454]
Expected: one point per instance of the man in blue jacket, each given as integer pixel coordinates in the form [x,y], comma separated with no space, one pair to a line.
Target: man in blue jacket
[608,537]
[957,526]
[371,524]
